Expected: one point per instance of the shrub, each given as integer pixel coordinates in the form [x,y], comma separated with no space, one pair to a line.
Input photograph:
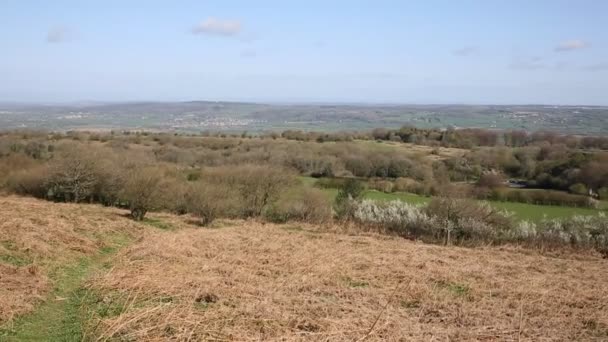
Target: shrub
[406,185]
[142,191]
[208,201]
[490,181]
[463,219]
[578,189]
[381,185]
[30,181]
[177,195]
[577,232]
[304,204]
[352,189]
[73,176]
[395,216]
[350,192]
[256,185]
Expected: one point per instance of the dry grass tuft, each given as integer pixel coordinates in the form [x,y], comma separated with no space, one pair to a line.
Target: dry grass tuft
[20,289]
[37,237]
[268,282]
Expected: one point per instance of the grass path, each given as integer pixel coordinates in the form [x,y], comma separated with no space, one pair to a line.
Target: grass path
[60,317]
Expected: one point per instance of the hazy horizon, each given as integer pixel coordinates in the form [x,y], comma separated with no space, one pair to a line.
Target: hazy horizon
[385,52]
[285,102]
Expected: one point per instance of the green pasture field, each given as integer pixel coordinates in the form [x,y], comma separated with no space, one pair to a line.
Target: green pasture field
[522,211]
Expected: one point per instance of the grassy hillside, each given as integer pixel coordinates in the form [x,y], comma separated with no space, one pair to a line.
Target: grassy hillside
[85,272]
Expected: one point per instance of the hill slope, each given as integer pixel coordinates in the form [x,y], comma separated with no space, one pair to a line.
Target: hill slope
[251,281]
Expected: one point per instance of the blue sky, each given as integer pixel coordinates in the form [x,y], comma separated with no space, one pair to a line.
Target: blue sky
[552,52]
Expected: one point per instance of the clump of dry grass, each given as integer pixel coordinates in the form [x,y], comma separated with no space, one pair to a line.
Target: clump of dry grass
[37,237]
[20,289]
[268,282]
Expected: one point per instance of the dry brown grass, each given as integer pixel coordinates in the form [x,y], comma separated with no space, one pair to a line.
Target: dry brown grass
[252,281]
[37,237]
[245,280]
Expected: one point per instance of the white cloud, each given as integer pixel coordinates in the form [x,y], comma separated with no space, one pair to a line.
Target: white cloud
[570,45]
[218,27]
[58,34]
[465,50]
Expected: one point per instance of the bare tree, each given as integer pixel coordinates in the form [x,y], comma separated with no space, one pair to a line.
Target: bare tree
[73,175]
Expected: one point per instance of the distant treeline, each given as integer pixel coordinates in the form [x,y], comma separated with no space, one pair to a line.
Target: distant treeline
[554,162]
[458,138]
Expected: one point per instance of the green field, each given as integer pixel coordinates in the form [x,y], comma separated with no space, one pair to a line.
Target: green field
[522,211]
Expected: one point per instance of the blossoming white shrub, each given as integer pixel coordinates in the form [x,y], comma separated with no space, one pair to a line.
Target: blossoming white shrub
[458,221]
[464,220]
[524,230]
[578,231]
[396,216]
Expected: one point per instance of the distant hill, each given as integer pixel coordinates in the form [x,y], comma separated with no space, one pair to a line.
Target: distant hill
[196,116]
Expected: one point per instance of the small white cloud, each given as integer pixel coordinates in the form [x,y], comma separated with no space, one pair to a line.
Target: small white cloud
[529,63]
[58,34]
[570,45]
[465,50]
[218,27]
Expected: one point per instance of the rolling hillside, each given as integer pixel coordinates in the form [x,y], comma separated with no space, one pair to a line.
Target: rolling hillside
[86,272]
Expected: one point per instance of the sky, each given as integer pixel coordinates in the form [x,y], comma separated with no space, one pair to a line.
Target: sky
[474,52]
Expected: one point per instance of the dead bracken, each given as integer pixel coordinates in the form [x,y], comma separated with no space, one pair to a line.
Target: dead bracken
[245,280]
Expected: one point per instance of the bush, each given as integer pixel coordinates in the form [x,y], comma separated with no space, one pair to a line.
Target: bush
[350,192]
[257,186]
[406,185]
[30,181]
[396,217]
[582,232]
[490,181]
[142,191]
[177,195]
[463,220]
[381,185]
[208,201]
[578,189]
[73,176]
[304,205]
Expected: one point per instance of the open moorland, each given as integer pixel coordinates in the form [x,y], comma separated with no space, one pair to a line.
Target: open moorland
[86,272]
[407,234]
